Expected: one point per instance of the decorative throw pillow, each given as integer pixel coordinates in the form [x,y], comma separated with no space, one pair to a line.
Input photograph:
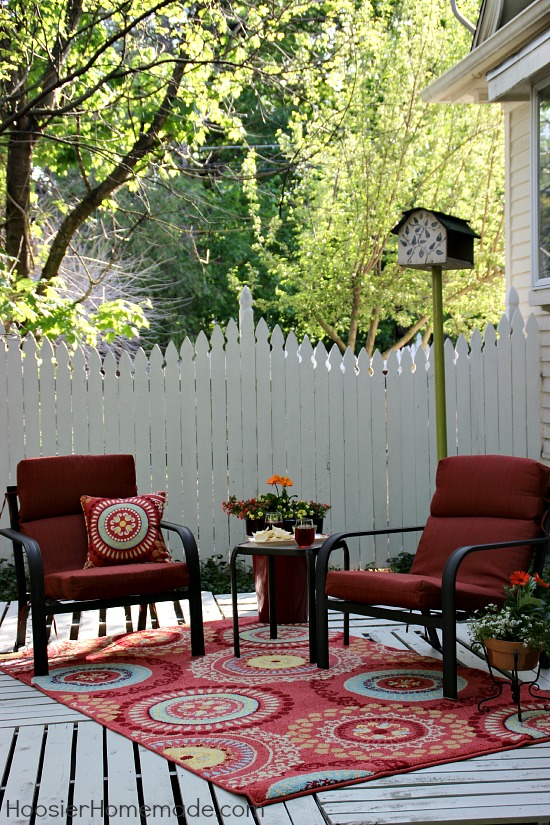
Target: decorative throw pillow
[124,530]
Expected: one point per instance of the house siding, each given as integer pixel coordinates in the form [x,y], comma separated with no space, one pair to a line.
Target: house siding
[518,251]
[519,203]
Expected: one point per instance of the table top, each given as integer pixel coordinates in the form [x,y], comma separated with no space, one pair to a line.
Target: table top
[279,548]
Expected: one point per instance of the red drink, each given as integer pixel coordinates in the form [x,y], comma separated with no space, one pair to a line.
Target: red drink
[304,536]
[273,520]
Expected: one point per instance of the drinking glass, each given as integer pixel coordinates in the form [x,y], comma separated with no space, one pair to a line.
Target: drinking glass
[273,520]
[304,533]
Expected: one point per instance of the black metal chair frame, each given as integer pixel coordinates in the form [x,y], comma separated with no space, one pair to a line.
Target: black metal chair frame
[444,620]
[31,595]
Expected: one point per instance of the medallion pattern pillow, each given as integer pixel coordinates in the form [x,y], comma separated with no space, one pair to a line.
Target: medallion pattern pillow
[124,530]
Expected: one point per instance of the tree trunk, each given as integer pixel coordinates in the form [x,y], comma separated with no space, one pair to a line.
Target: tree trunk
[18,195]
[113,182]
[408,336]
[373,329]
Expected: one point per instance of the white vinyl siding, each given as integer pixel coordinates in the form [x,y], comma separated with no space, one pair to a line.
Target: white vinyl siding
[518,175]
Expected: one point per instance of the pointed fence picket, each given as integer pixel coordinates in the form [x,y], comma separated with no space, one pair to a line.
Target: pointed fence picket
[222,414]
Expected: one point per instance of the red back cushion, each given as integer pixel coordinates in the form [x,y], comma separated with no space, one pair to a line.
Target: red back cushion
[490,568]
[63,542]
[481,500]
[49,487]
[49,491]
[490,485]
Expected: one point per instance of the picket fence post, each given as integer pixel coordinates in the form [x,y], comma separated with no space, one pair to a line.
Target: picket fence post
[227,410]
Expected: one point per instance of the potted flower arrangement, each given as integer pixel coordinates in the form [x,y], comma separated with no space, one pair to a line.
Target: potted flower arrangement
[254,510]
[521,624]
[292,598]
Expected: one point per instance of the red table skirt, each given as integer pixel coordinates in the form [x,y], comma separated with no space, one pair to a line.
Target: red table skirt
[291,578]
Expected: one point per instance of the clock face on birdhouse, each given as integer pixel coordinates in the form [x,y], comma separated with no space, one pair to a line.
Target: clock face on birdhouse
[422,241]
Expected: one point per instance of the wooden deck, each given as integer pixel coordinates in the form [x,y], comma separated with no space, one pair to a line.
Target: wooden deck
[60,767]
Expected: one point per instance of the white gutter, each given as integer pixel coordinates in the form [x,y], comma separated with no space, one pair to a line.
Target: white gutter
[466,81]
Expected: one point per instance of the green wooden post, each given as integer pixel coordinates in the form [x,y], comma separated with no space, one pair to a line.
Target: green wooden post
[439,363]
[432,240]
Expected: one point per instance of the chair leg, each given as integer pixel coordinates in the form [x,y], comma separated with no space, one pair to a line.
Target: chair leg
[142,617]
[346,615]
[449,655]
[322,632]
[22,617]
[430,634]
[197,628]
[39,641]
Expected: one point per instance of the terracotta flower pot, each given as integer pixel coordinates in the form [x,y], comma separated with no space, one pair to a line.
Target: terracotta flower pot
[501,654]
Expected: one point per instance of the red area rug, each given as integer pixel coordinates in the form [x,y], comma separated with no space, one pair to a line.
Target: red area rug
[270,725]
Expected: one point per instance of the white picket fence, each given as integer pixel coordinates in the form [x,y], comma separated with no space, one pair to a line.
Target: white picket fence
[222,415]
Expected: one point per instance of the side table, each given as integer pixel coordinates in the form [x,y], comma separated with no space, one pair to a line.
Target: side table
[249,548]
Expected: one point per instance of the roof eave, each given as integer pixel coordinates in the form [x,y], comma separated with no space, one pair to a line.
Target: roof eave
[466,81]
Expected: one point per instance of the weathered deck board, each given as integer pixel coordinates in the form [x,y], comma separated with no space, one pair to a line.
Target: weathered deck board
[38,735]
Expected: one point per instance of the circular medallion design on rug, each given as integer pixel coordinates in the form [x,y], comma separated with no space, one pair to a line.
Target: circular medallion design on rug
[215,756]
[400,685]
[535,721]
[297,634]
[358,733]
[310,781]
[260,666]
[207,709]
[257,666]
[87,678]
[153,642]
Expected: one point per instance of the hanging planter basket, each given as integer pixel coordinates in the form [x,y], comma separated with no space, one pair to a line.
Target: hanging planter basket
[501,654]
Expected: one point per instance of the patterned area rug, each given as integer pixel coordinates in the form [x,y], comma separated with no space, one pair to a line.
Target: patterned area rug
[270,725]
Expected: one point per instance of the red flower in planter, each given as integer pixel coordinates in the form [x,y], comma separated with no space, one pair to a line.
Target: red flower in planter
[519,578]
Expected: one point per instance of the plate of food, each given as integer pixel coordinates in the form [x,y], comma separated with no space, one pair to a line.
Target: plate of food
[281,538]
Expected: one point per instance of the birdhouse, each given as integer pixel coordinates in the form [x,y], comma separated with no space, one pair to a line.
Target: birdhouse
[427,238]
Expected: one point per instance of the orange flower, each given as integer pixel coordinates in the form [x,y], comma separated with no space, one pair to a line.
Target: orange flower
[519,578]
[284,481]
[540,581]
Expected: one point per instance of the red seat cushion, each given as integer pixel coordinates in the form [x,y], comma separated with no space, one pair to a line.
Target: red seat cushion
[115,582]
[403,590]
[478,500]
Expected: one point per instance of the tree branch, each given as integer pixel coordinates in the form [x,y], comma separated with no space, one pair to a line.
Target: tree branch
[59,82]
[332,334]
[404,340]
[117,178]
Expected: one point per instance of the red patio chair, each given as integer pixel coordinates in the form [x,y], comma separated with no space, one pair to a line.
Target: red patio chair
[486,521]
[48,531]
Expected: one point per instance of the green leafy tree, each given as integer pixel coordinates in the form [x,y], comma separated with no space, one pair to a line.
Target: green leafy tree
[121,93]
[391,152]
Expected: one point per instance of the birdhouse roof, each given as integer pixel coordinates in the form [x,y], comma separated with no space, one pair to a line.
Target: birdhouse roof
[450,222]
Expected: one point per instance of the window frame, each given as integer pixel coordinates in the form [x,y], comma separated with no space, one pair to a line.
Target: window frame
[538,282]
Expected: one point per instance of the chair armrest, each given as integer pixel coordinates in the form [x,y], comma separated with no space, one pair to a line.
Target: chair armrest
[450,571]
[338,540]
[34,558]
[190,548]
